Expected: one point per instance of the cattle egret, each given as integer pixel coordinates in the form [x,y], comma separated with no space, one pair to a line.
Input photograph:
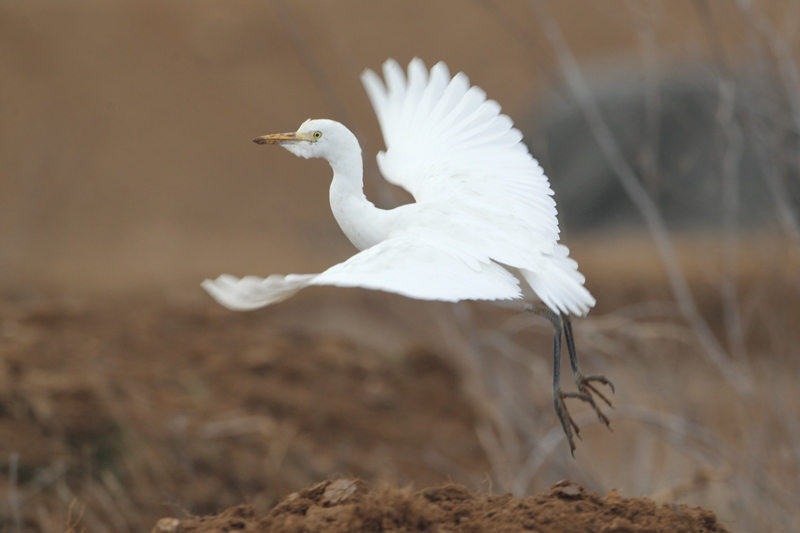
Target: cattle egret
[482,203]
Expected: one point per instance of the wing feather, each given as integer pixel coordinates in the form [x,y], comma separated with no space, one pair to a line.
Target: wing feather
[446,142]
[252,292]
[455,152]
[420,264]
[423,264]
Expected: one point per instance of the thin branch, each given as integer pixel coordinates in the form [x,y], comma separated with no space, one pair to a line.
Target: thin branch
[790,76]
[652,96]
[783,56]
[13,494]
[731,157]
[762,142]
[732,140]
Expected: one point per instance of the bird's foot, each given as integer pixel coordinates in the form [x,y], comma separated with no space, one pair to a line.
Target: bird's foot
[586,390]
[585,393]
[567,423]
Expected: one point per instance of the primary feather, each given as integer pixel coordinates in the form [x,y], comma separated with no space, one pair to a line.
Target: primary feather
[447,144]
[481,201]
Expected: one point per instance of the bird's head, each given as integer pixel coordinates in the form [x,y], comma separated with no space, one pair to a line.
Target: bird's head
[315,138]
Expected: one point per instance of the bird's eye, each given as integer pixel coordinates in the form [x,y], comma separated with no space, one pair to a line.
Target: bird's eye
[317,134]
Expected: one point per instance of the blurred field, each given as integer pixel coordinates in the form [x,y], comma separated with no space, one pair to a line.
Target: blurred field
[128,176]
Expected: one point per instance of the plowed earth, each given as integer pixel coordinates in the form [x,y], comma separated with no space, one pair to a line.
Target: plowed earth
[348,505]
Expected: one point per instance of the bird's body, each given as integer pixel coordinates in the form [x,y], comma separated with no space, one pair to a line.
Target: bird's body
[482,203]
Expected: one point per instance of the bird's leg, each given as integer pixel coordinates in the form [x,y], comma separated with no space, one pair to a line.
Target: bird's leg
[567,423]
[584,383]
[585,389]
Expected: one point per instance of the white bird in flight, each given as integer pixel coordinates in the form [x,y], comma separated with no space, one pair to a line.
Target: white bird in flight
[482,203]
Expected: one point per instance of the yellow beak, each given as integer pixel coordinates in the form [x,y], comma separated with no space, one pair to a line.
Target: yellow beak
[283,138]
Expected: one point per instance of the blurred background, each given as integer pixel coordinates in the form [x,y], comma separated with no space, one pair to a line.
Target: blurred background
[669,131]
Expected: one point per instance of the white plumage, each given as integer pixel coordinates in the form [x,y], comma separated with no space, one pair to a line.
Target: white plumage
[482,201]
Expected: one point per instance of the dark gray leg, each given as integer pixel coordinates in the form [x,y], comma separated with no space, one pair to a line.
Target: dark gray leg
[562,323]
[584,383]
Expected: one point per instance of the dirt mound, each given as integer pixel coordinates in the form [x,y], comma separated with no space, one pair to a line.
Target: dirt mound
[348,505]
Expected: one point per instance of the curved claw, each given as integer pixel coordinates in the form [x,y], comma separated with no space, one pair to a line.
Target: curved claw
[600,394]
[567,423]
[586,389]
[600,379]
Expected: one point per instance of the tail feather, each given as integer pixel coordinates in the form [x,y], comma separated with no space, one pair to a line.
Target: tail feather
[559,284]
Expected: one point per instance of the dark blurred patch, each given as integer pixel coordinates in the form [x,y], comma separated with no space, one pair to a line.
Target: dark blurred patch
[687,136]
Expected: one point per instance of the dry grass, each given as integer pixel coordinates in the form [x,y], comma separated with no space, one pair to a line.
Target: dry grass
[681,430]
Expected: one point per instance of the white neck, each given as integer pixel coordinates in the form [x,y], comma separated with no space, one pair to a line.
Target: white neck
[363,223]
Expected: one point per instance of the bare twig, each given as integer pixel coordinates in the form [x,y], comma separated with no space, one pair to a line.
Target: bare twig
[13,495]
[74,521]
[762,142]
[122,500]
[111,510]
[649,46]
[790,76]
[732,140]
[732,154]
[786,65]
[85,515]
[494,451]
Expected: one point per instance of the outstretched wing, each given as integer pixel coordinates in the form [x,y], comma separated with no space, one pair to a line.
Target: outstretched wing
[419,264]
[252,292]
[448,145]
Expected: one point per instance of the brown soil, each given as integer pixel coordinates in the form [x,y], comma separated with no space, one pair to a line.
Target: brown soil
[348,505]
